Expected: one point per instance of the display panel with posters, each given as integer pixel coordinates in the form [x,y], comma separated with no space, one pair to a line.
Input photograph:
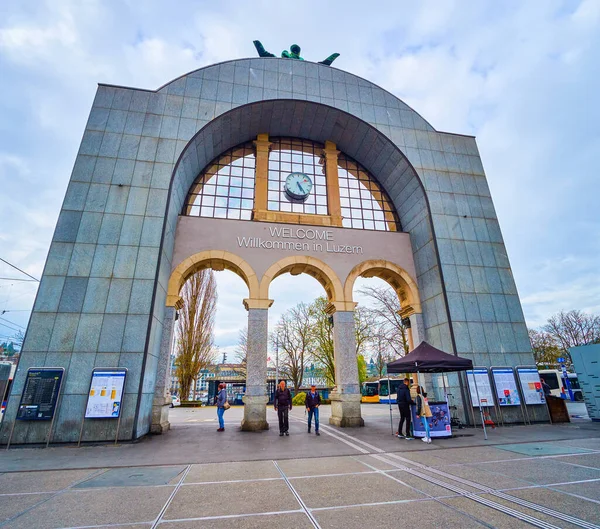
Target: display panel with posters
[40,393]
[439,422]
[484,386]
[531,385]
[106,393]
[507,391]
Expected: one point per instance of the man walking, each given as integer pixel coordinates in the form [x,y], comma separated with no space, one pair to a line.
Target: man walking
[283,404]
[404,400]
[313,401]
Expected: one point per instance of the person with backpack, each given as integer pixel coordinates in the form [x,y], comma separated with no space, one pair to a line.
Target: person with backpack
[313,401]
[283,404]
[423,412]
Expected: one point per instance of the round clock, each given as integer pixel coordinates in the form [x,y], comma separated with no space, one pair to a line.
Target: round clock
[297,186]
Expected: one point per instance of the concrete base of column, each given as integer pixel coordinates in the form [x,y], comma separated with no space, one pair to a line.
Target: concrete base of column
[255,414]
[345,410]
[160,416]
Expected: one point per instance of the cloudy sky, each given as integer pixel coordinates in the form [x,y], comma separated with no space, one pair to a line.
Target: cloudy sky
[521,76]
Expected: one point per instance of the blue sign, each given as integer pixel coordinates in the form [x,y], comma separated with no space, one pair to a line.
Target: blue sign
[560,360]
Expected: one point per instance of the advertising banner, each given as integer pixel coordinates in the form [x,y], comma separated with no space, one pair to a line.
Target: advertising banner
[484,387]
[439,422]
[531,385]
[106,393]
[40,393]
[507,392]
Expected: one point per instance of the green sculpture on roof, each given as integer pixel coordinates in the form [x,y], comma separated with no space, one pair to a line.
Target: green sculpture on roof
[294,53]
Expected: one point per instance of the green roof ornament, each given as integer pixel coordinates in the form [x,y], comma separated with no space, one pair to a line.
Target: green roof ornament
[294,53]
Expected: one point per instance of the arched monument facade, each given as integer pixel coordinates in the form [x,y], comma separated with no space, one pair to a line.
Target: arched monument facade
[135,224]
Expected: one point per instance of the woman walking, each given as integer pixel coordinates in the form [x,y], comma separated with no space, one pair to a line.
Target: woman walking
[221,403]
[423,412]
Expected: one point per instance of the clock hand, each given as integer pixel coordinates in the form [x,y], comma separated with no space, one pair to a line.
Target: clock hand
[300,188]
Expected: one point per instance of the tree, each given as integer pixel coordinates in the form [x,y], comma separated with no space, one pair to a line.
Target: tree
[293,337]
[382,354]
[195,328]
[387,322]
[322,335]
[573,328]
[546,350]
[241,351]
[362,368]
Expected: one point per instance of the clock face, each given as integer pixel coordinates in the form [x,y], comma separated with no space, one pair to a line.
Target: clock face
[298,186]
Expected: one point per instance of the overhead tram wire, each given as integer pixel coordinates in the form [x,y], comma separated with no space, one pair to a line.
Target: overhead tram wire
[17,279]
[17,268]
[11,322]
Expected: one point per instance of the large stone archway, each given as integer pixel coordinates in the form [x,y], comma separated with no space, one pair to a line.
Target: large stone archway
[102,300]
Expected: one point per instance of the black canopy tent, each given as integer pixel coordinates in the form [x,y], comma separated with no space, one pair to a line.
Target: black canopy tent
[428,359]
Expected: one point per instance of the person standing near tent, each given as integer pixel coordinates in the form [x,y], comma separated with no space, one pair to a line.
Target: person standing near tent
[423,412]
[404,400]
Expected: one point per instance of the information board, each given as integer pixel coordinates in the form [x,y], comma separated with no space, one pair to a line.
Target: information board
[507,392]
[439,422]
[5,369]
[484,387]
[40,393]
[106,393]
[531,385]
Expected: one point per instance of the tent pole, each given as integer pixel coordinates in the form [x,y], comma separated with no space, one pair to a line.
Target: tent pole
[480,409]
[390,402]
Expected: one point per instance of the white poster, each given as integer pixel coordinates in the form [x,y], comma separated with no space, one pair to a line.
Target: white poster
[506,386]
[106,394]
[531,385]
[484,387]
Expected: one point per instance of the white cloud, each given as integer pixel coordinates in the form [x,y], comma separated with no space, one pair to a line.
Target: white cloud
[521,76]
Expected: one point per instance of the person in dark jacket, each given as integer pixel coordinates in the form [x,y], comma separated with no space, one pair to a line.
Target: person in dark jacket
[313,400]
[221,400]
[283,404]
[404,400]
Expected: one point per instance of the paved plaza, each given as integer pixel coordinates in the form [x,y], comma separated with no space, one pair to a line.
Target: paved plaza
[193,477]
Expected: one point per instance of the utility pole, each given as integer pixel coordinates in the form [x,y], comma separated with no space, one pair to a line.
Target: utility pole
[276,360]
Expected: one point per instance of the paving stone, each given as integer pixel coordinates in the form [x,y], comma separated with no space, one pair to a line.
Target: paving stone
[588,460]
[425,515]
[564,503]
[134,476]
[352,490]
[14,504]
[193,501]
[321,466]
[540,449]
[46,481]
[485,475]
[543,471]
[122,505]
[297,520]
[494,518]
[588,490]
[422,485]
[247,470]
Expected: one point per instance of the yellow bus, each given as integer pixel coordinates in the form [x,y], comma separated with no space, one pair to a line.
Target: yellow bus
[370,392]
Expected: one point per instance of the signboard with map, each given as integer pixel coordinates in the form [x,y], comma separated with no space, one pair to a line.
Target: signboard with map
[40,393]
[531,385]
[106,393]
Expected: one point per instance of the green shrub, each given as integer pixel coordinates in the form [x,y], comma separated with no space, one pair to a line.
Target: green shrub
[299,399]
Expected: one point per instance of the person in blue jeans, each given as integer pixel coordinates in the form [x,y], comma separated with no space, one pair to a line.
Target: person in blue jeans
[313,401]
[221,400]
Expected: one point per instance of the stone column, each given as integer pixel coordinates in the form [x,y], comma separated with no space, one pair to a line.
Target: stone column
[417,328]
[330,154]
[162,392]
[255,398]
[345,399]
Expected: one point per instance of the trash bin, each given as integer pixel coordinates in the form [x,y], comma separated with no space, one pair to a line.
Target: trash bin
[558,409]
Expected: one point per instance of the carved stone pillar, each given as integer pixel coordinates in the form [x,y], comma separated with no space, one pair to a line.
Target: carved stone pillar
[255,398]
[162,394]
[261,186]
[333,184]
[345,399]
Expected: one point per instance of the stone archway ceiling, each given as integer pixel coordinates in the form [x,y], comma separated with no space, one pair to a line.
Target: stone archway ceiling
[314,121]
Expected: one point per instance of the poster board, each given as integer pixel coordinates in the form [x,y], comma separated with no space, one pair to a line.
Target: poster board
[439,422]
[5,370]
[531,385]
[507,392]
[484,386]
[40,393]
[106,393]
